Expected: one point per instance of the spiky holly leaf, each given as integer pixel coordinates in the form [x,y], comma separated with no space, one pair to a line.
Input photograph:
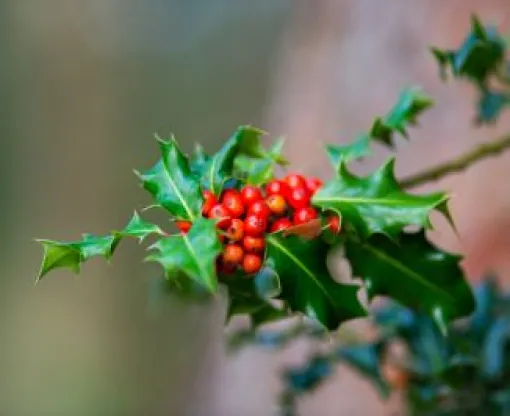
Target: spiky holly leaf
[258,171]
[199,161]
[220,167]
[71,255]
[193,254]
[306,283]
[376,203]
[411,103]
[490,105]
[481,55]
[139,228]
[172,184]
[414,272]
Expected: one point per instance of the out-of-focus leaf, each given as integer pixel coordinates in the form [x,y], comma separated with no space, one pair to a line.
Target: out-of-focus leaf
[490,105]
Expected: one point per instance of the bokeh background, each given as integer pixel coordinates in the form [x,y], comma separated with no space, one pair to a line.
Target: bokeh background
[84,85]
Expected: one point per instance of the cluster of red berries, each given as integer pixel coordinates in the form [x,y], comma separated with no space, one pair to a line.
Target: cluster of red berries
[246,215]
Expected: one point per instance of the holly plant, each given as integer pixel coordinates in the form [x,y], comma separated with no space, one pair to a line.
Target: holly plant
[465,373]
[267,239]
[483,60]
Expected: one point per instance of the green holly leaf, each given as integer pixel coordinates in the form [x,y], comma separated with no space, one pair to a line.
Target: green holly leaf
[258,171]
[367,359]
[245,141]
[480,56]
[358,149]
[193,254]
[140,229]
[411,103]
[172,184]
[306,283]
[71,255]
[490,105]
[199,161]
[414,273]
[376,203]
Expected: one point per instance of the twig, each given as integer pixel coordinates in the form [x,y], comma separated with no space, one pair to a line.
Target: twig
[458,164]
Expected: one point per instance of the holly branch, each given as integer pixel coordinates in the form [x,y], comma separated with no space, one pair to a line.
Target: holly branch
[459,163]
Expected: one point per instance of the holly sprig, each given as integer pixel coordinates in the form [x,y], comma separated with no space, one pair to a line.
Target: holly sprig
[482,59]
[268,239]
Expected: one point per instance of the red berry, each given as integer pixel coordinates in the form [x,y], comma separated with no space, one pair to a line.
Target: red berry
[209,202]
[183,226]
[235,231]
[276,204]
[303,215]
[334,223]
[232,200]
[295,180]
[232,255]
[259,208]
[281,224]
[252,263]
[255,225]
[276,187]
[222,214]
[254,244]
[299,197]
[313,184]
[251,194]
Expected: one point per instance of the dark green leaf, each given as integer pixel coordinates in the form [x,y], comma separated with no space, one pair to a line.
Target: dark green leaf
[172,184]
[367,359]
[245,141]
[480,55]
[199,161]
[71,254]
[496,348]
[307,285]
[490,105]
[258,171]
[267,283]
[415,273]
[140,229]
[487,296]
[193,254]
[376,203]
[411,103]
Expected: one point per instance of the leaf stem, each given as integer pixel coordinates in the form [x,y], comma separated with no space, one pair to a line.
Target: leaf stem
[457,164]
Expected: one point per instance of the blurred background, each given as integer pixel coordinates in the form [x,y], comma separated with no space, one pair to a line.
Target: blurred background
[84,85]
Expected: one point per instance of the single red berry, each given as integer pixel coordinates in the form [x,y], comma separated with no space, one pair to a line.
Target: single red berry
[251,194]
[303,215]
[281,224]
[276,187]
[183,226]
[222,214]
[252,263]
[259,208]
[334,223]
[254,244]
[232,200]
[233,254]
[209,202]
[276,204]
[255,225]
[235,231]
[295,180]
[299,197]
[313,184]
